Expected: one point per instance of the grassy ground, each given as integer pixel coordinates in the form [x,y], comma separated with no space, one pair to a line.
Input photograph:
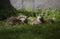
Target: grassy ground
[40,31]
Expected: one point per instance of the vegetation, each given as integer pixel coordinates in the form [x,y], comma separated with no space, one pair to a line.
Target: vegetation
[6,13]
[26,31]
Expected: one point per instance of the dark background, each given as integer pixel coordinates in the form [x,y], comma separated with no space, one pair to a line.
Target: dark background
[5,4]
[6,10]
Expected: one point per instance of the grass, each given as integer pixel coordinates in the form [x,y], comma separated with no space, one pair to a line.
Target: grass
[39,31]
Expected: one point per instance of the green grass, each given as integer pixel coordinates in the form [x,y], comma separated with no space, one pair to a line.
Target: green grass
[40,31]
